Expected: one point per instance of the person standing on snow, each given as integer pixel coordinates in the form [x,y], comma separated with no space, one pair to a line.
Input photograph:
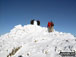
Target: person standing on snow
[50,26]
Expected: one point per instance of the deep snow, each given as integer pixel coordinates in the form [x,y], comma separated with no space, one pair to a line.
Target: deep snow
[36,41]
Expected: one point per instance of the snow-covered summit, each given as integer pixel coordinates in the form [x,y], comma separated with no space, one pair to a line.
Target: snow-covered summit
[35,41]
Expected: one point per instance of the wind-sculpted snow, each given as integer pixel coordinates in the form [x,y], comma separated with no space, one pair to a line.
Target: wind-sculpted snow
[35,41]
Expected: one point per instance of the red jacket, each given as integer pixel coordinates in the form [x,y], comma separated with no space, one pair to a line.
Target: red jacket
[50,24]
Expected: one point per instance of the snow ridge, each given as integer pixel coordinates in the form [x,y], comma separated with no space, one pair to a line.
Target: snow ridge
[35,41]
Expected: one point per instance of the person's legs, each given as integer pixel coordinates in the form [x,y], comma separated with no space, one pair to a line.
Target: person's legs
[50,29]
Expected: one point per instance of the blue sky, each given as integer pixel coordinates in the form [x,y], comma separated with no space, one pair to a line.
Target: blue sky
[61,12]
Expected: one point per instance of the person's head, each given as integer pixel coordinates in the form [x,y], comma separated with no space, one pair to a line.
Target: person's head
[38,22]
[32,22]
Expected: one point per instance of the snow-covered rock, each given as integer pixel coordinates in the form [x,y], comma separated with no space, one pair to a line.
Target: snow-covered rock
[35,41]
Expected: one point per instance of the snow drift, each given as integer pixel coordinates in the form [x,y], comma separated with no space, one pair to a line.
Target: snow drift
[35,41]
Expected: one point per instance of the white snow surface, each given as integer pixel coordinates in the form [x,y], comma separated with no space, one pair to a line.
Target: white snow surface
[36,41]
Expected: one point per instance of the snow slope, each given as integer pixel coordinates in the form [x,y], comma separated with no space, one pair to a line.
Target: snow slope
[35,41]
